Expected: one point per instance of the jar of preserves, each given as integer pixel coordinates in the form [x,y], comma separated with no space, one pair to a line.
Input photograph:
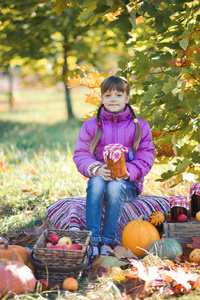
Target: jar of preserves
[179,206]
[194,195]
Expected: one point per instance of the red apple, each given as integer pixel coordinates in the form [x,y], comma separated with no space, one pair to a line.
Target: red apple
[53,238]
[57,247]
[48,245]
[44,283]
[182,218]
[65,246]
[76,247]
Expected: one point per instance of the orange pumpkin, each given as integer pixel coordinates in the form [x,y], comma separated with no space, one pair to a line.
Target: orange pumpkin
[198,216]
[15,253]
[157,218]
[16,278]
[139,234]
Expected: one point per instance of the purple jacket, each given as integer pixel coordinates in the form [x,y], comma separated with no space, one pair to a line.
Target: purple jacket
[116,129]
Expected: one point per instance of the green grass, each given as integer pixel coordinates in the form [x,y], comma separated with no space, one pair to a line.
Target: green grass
[36,146]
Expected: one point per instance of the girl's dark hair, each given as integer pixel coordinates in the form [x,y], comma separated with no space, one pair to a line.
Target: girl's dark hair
[115,82]
[121,85]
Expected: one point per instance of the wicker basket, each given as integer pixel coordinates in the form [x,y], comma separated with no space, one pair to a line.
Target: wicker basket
[56,275]
[57,264]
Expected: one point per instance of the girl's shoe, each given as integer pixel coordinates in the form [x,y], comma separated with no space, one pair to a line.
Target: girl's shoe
[104,250]
[94,250]
[93,253]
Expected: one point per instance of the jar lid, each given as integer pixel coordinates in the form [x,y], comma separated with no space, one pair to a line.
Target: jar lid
[180,201]
[194,188]
[114,151]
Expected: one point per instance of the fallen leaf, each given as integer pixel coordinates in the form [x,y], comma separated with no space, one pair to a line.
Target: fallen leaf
[121,252]
[27,236]
[196,284]
[107,261]
[196,243]
[132,273]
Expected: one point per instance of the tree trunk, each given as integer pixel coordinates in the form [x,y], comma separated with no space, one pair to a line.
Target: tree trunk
[10,92]
[68,102]
[67,91]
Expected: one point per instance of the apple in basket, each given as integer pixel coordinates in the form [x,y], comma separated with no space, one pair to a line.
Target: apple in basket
[57,247]
[65,246]
[53,238]
[76,247]
[48,245]
[65,241]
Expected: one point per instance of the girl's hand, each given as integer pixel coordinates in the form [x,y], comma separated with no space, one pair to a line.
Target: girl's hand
[104,173]
[124,177]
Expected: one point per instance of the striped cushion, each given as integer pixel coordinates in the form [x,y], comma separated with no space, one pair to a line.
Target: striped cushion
[69,213]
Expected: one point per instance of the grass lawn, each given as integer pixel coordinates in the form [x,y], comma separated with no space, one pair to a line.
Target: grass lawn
[36,148]
[36,166]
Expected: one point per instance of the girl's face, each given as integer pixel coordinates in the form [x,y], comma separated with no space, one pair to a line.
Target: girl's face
[115,101]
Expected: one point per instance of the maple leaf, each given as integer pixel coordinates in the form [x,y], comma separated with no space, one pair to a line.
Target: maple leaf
[95,79]
[121,252]
[179,276]
[132,273]
[196,243]
[196,284]
[92,98]
[139,20]
[179,62]
[75,81]
[84,68]
[27,236]
[59,6]
[112,16]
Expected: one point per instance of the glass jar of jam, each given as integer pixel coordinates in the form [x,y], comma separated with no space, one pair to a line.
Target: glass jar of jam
[194,196]
[179,205]
[195,204]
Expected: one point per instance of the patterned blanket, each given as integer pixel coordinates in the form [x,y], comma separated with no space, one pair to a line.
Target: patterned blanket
[69,213]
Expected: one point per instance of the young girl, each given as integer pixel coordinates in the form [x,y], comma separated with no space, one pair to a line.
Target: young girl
[115,123]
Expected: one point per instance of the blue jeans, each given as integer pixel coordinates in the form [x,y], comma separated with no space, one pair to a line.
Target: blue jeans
[114,194]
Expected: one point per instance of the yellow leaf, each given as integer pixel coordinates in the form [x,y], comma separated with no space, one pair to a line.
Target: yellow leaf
[92,98]
[75,81]
[140,19]
[59,6]
[112,16]
[84,68]
[177,180]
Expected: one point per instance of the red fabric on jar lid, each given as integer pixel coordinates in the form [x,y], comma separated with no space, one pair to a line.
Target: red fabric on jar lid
[180,201]
[194,188]
[114,151]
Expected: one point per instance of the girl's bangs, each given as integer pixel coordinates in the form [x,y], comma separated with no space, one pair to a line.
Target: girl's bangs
[114,83]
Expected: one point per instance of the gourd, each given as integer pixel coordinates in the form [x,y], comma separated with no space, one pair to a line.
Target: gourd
[15,253]
[139,233]
[195,256]
[167,248]
[16,278]
[157,218]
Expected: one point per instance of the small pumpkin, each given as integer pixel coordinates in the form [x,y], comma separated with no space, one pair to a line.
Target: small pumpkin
[15,253]
[198,216]
[16,278]
[195,256]
[139,234]
[167,248]
[157,218]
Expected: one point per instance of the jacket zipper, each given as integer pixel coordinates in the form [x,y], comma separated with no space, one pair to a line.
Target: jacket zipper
[114,127]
